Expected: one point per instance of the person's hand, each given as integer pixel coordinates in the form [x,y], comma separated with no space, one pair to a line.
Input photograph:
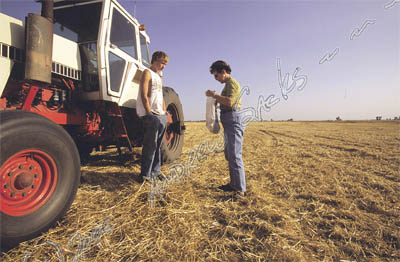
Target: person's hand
[210,93]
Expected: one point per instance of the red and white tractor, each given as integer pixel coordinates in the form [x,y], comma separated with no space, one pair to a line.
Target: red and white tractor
[69,79]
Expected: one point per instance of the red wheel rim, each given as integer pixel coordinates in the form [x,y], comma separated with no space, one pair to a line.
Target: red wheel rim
[28,180]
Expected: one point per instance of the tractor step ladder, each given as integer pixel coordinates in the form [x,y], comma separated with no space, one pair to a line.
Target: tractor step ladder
[125,132]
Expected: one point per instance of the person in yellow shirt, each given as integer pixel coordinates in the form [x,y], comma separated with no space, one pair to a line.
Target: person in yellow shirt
[231,118]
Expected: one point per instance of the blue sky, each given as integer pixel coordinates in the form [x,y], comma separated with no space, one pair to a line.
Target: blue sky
[361,79]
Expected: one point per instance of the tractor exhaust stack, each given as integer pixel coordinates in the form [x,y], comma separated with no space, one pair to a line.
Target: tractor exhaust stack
[39,44]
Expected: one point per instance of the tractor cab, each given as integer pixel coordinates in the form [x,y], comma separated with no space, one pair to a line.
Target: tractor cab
[112,47]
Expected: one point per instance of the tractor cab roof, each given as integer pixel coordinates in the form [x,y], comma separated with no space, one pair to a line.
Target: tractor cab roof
[59,4]
[69,3]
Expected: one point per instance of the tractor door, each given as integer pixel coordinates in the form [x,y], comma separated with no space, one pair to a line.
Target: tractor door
[130,87]
[119,53]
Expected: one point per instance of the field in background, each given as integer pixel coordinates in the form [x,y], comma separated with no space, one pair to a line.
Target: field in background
[317,191]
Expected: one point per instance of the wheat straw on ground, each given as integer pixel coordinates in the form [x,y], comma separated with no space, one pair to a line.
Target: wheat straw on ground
[317,191]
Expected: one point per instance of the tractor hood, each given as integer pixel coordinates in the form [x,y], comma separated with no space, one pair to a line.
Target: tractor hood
[66,58]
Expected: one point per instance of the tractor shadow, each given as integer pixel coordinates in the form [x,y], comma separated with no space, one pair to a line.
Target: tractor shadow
[107,170]
[112,159]
[113,181]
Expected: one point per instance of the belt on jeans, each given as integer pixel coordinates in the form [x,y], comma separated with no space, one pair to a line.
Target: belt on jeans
[152,113]
[230,110]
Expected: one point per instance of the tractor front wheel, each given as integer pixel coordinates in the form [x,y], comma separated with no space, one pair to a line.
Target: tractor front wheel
[39,172]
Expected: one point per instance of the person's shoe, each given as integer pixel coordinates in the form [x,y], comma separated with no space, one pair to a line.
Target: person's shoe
[142,179]
[159,176]
[226,188]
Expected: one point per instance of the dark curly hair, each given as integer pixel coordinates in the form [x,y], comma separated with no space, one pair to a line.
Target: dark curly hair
[219,65]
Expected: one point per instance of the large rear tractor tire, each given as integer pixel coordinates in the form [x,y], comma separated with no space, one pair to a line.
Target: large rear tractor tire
[39,172]
[171,148]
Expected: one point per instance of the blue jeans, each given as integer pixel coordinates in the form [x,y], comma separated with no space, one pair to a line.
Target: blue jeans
[233,138]
[154,129]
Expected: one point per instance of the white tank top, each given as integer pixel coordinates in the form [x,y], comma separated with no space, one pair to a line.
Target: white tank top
[156,99]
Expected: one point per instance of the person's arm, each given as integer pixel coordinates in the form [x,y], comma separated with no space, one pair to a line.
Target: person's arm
[144,90]
[165,109]
[224,100]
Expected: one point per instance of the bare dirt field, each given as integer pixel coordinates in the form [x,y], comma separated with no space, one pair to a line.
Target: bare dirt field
[317,191]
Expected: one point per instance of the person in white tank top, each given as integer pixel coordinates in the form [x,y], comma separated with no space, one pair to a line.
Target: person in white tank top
[150,107]
[150,98]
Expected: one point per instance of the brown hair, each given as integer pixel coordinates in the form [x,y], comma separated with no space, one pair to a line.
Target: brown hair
[159,55]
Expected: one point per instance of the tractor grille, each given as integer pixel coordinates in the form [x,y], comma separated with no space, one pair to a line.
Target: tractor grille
[17,55]
[66,71]
[12,53]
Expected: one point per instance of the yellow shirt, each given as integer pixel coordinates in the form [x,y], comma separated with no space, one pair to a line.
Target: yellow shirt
[231,90]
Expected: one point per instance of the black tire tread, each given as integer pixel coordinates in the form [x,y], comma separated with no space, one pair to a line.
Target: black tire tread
[22,123]
[170,96]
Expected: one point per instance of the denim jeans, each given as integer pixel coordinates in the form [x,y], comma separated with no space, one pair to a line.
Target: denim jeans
[154,129]
[233,138]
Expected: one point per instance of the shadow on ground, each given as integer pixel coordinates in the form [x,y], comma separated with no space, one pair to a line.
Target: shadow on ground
[113,159]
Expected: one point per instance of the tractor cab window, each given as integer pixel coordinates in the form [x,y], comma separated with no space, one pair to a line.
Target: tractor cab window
[80,23]
[144,47]
[116,67]
[90,77]
[123,34]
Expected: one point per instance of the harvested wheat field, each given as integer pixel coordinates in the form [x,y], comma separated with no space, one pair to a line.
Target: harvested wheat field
[317,191]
